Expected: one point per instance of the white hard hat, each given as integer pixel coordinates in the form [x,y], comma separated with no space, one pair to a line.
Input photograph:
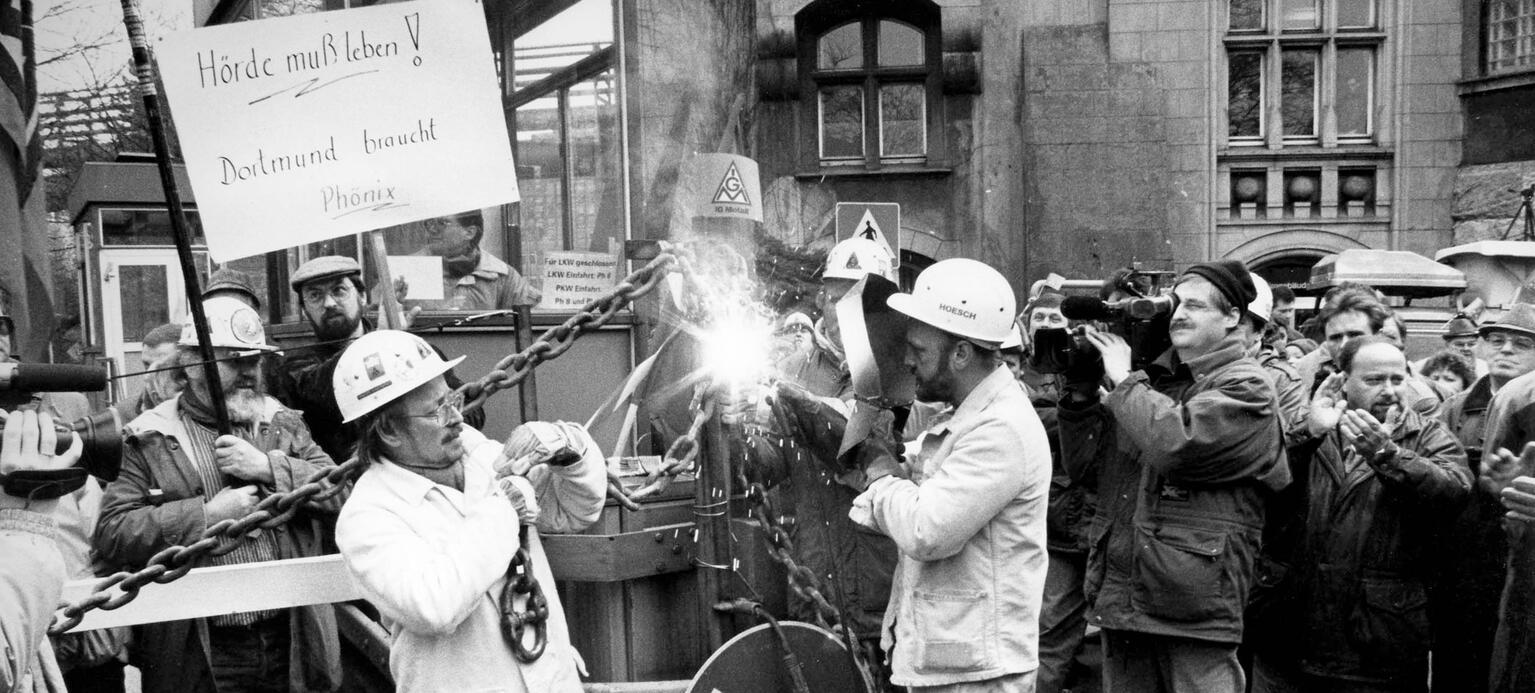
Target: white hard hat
[857,256]
[1014,339]
[381,367]
[232,324]
[963,297]
[1262,307]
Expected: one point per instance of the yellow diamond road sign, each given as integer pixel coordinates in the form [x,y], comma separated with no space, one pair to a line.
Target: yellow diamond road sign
[877,221]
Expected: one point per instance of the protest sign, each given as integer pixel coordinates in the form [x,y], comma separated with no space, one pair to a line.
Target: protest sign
[303,128]
[571,279]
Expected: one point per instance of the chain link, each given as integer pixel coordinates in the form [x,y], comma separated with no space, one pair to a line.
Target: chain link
[513,369]
[682,454]
[520,581]
[217,539]
[224,536]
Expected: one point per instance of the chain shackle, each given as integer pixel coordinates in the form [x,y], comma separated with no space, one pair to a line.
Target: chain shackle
[520,581]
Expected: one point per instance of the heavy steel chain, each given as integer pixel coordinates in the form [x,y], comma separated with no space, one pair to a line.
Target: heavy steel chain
[512,370]
[682,455]
[520,581]
[224,536]
[218,539]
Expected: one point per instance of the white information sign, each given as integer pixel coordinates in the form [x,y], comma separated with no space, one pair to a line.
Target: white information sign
[303,128]
[571,279]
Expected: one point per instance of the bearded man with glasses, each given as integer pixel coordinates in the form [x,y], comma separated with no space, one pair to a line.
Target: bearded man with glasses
[333,299]
[1497,411]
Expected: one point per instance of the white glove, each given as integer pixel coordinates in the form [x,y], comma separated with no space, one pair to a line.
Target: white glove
[519,492]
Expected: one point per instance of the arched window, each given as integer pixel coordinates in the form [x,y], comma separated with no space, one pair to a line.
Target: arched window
[870,82]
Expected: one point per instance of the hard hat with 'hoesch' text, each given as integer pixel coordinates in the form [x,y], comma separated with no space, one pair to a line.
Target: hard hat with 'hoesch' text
[963,297]
[381,367]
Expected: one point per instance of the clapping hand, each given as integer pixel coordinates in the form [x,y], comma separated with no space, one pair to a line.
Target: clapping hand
[1368,435]
[1519,498]
[1327,406]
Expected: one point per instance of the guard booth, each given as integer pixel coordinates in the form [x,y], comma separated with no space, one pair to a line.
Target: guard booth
[130,277]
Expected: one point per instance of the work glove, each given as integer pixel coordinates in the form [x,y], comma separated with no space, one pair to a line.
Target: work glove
[519,491]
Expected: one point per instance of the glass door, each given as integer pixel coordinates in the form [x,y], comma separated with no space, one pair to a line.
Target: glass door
[141,289]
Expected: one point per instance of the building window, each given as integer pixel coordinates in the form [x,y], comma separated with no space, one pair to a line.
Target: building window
[1510,35]
[1302,72]
[871,75]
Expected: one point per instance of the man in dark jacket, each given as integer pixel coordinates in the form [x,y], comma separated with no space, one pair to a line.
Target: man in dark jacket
[333,299]
[1063,617]
[179,476]
[1379,479]
[1464,603]
[1185,453]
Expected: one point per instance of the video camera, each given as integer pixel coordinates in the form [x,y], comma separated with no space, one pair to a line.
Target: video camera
[1133,303]
[101,433]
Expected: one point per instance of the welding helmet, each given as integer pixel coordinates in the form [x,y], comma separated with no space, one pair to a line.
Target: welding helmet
[963,297]
[855,257]
[381,367]
[232,324]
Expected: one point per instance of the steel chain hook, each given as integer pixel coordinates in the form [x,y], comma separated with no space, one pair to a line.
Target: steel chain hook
[520,581]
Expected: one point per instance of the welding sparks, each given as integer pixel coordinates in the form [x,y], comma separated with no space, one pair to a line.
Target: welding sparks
[736,351]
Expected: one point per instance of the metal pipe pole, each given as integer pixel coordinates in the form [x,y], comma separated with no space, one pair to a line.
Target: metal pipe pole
[711,500]
[144,67]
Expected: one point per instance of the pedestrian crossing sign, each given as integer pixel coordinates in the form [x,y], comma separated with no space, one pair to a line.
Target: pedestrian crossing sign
[877,221]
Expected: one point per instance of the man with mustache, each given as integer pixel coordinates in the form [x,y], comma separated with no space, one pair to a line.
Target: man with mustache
[333,298]
[1380,479]
[179,476]
[1185,454]
[429,530]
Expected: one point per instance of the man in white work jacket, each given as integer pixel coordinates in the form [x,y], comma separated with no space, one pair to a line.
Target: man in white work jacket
[429,530]
[970,519]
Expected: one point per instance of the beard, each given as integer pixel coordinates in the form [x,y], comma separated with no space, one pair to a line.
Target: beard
[334,324]
[245,405]
[940,388]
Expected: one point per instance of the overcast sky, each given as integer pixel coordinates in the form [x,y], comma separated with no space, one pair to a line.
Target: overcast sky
[96,23]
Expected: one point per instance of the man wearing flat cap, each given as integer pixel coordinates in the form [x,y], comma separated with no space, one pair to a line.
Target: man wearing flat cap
[1184,452]
[333,298]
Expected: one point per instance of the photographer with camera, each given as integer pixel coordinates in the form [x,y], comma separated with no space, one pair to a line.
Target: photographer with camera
[32,574]
[1185,453]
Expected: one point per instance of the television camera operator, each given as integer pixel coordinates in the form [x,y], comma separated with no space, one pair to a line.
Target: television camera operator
[32,574]
[1184,452]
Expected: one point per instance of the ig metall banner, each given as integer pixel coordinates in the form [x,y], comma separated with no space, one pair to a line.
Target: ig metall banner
[303,128]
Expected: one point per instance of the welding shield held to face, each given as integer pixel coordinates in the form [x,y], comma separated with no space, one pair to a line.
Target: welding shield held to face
[874,340]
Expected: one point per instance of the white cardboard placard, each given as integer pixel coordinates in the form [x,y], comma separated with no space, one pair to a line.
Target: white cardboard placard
[303,128]
[422,274]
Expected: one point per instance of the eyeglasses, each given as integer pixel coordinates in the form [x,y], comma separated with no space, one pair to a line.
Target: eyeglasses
[451,409]
[339,291]
[1498,341]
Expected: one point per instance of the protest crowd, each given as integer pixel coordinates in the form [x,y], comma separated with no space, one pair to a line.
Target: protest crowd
[1227,502]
